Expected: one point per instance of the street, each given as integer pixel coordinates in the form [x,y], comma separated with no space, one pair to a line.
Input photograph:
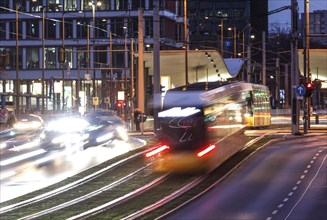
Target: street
[286,180]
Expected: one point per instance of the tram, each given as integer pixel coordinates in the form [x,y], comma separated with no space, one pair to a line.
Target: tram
[203,123]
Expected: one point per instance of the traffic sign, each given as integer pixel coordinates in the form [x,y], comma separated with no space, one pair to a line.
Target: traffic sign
[95,101]
[300,90]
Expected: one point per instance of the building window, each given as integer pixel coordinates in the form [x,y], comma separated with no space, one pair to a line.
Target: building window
[50,58]
[2,30]
[32,29]
[117,26]
[5,4]
[101,30]
[50,29]
[121,5]
[148,26]
[12,27]
[12,58]
[82,58]
[21,5]
[70,5]
[82,26]
[36,5]
[139,4]
[52,5]
[105,6]
[32,55]
[69,57]
[68,29]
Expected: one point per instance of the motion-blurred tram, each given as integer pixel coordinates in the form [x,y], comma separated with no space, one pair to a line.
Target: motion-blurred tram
[202,124]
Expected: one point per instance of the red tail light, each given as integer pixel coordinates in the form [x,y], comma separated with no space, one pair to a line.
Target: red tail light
[207,150]
[157,150]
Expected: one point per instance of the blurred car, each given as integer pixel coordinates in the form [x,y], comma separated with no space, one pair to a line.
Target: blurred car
[80,132]
[65,132]
[104,126]
[28,123]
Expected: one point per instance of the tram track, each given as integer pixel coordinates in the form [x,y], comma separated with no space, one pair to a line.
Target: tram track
[91,182]
[125,188]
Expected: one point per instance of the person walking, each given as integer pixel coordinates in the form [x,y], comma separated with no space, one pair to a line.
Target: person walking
[137,119]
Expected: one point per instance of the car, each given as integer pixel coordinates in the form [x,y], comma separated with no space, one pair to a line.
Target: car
[28,123]
[104,127]
[76,132]
[65,132]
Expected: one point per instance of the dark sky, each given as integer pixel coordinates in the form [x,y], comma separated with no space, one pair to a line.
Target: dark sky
[284,17]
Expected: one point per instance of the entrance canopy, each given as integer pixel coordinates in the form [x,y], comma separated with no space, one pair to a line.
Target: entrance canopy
[203,65]
[317,64]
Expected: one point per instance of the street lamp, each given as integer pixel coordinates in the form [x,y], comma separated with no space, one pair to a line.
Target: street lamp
[234,38]
[93,4]
[221,25]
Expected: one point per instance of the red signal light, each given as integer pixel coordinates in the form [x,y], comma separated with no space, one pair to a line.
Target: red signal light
[309,85]
[157,150]
[206,151]
[309,89]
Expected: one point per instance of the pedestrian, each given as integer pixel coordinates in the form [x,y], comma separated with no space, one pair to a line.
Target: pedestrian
[137,115]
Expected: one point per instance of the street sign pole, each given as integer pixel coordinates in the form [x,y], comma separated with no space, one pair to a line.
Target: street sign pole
[294,69]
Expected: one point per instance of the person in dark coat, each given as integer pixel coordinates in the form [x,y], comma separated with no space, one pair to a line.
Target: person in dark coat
[137,115]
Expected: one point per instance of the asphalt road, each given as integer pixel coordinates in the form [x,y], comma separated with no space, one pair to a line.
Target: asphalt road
[286,180]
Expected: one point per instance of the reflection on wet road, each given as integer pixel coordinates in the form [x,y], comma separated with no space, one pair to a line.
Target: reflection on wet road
[58,165]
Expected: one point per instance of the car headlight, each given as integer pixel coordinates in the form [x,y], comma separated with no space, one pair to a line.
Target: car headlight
[105,137]
[122,133]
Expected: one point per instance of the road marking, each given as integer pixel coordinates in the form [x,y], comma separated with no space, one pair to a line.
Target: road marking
[274,212]
[321,165]
[295,188]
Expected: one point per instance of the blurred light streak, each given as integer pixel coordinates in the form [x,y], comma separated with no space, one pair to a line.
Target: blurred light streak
[22,157]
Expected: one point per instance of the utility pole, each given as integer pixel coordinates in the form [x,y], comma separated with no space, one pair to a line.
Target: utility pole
[248,64]
[140,78]
[306,113]
[63,61]
[264,58]
[42,59]
[277,82]
[156,65]
[186,42]
[17,66]
[286,86]
[132,83]
[294,69]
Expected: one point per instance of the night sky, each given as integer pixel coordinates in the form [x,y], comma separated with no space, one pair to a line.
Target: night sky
[284,17]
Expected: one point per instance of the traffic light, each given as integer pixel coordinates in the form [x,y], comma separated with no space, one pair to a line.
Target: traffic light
[119,105]
[309,87]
